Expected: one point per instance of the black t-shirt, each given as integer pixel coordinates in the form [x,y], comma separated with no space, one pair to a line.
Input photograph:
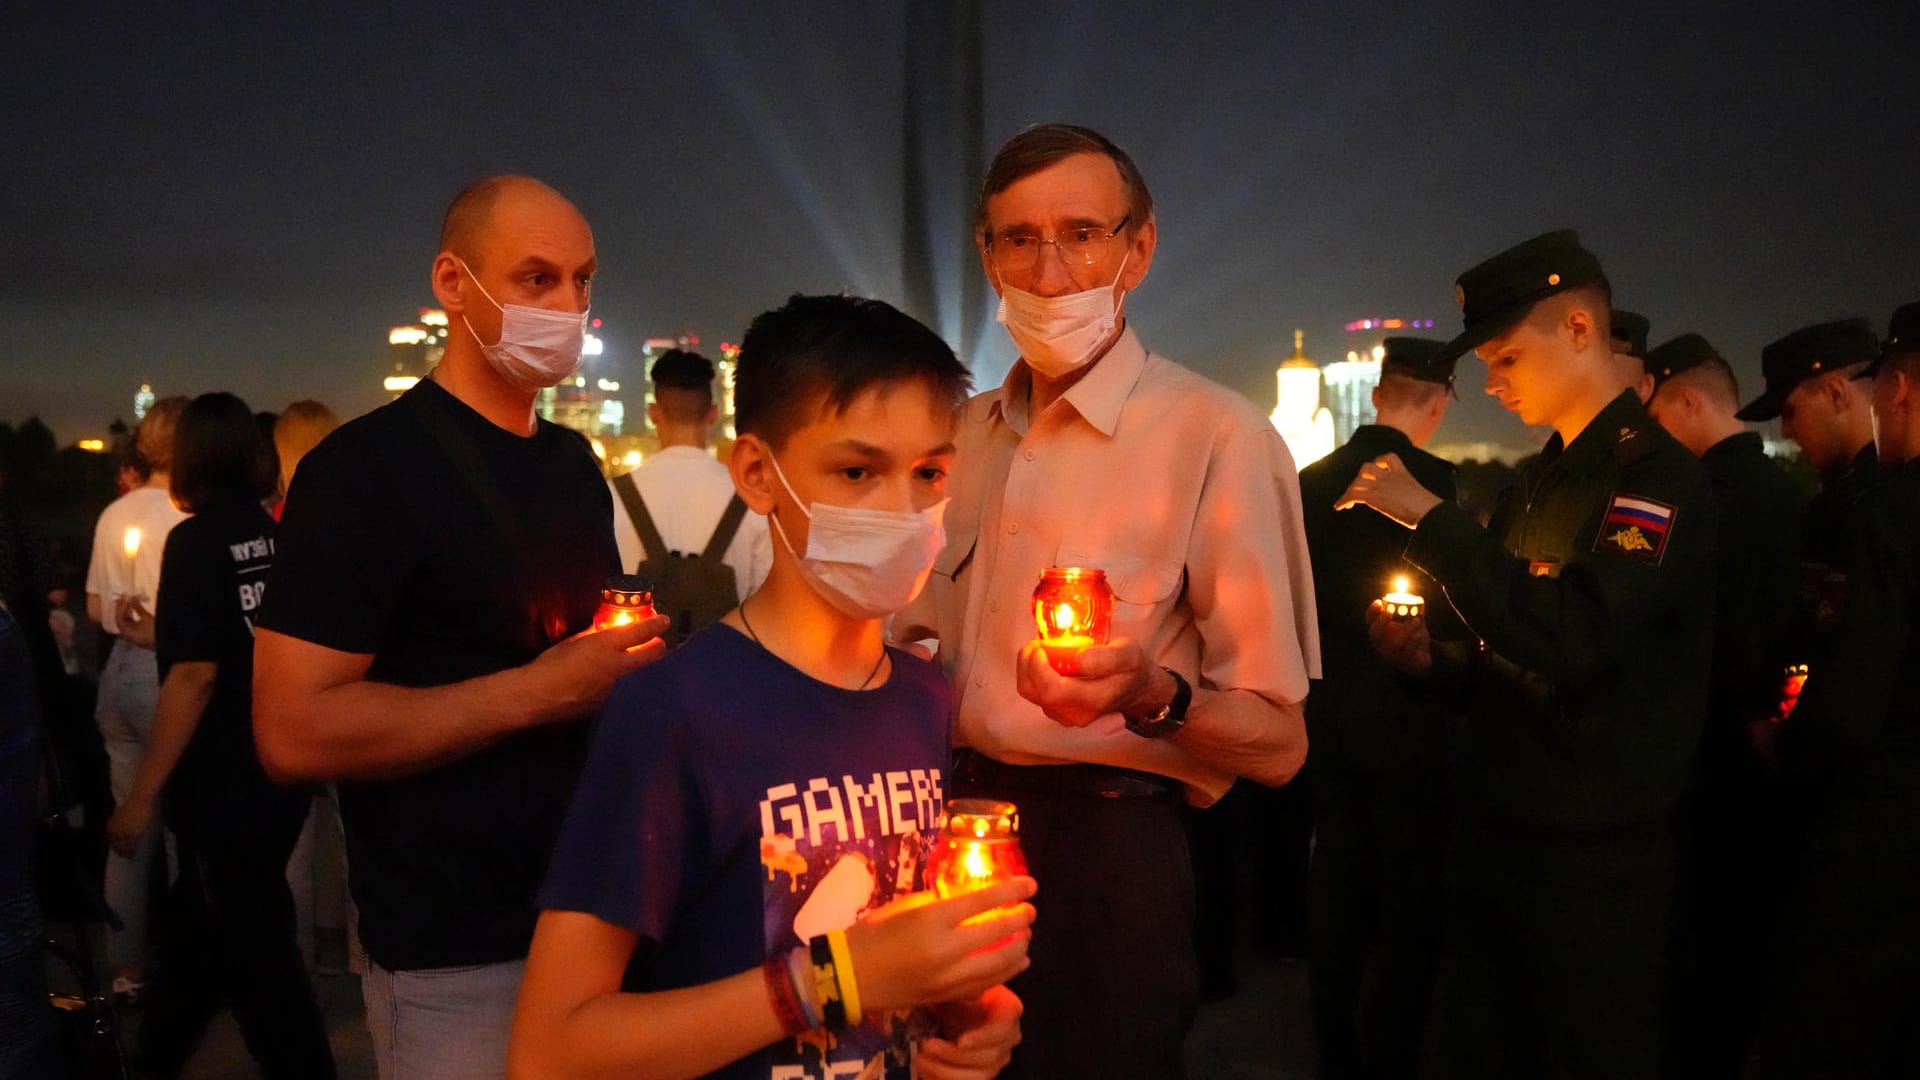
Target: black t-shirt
[388,548]
[212,576]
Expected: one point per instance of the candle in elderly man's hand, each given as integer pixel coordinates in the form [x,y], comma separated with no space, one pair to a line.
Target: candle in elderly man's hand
[1073,607]
[1401,604]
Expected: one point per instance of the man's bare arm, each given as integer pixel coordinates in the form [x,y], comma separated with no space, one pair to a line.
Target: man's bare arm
[316,716]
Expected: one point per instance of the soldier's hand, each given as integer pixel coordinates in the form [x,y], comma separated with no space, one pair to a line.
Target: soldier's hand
[1114,678]
[1385,484]
[574,676]
[1402,643]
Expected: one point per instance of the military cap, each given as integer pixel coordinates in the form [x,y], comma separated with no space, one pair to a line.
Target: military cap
[1684,353]
[1417,358]
[1903,336]
[1500,291]
[1806,353]
[1630,330]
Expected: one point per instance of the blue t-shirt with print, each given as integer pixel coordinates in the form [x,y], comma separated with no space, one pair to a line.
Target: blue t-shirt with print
[733,807]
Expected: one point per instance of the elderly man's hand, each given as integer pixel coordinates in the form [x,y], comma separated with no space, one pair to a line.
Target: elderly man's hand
[1402,643]
[1114,678]
[1385,484]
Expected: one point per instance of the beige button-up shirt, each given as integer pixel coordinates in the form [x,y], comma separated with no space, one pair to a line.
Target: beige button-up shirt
[1176,487]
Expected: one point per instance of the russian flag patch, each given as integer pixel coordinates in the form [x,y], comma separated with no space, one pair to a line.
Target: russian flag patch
[1635,526]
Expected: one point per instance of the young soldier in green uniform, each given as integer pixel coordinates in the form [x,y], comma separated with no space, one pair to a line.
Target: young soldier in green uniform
[1380,745]
[1731,824]
[1852,995]
[1591,593]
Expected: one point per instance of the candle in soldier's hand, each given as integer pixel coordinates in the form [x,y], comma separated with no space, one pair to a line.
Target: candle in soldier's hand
[1402,605]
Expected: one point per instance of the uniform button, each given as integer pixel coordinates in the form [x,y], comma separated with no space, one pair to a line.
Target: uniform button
[993,605]
[1013,526]
[1029,455]
[980,681]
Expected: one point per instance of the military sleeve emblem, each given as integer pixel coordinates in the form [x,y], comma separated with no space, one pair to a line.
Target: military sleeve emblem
[1635,526]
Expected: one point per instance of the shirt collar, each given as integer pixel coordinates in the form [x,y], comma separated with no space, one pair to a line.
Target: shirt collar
[1099,395]
[1622,419]
[1745,442]
[1382,437]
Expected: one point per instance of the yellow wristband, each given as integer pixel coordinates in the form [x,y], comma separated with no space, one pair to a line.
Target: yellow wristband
[843,969]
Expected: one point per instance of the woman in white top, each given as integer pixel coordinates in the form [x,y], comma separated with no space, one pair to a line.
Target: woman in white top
[127,542]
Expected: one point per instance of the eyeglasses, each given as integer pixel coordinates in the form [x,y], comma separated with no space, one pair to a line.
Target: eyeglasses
[1019,253]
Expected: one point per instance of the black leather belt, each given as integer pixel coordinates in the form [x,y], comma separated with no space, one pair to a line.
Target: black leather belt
[972,768]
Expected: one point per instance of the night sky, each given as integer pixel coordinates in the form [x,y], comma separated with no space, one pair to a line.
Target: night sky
[239,198]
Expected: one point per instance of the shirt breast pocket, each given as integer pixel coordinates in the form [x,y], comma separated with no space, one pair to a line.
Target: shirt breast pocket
[1145,590]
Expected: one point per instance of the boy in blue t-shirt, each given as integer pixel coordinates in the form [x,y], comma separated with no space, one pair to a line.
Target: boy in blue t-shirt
[729,895]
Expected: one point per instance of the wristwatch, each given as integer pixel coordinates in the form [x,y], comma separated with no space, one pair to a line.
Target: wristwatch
[1170,718]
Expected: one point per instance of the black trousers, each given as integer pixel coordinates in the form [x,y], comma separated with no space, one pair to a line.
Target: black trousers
[1555,963]
[1376,913]
[1852,985]
[1733,874]
[228,938]
[1114,984]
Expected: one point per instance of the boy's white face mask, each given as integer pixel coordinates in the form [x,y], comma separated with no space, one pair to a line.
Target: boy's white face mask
[866,563]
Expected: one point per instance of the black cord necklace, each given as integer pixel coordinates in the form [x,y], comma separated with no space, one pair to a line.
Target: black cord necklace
[877,664]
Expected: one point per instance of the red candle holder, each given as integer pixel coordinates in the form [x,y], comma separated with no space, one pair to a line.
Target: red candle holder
[1792,681]
[1073,607]
[625,599]
[979,846]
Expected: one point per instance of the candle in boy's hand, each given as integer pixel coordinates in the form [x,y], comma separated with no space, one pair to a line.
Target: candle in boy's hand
[1402,605]
[1073,607]
[979,846]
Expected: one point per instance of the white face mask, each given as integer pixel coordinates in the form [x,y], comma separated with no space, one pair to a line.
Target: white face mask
[1059,335]
[867,563]
[538,347]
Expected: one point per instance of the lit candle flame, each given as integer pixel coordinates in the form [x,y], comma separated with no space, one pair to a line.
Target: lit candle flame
[132,542]
[975,862]
[1065,618]
[1400,584]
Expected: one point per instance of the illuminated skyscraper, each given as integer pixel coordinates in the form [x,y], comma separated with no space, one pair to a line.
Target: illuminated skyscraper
[414,349]
[1298,417]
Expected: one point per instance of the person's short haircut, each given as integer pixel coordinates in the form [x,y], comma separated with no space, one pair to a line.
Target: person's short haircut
[1595,297]
[683,386]
[1400,390]
[300,428]
[1715,377]
[218,454]
[682,370]
[1046,144]
[821,352]
[153,440]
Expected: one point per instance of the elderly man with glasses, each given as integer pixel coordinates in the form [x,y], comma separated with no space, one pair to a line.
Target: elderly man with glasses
[1096,453]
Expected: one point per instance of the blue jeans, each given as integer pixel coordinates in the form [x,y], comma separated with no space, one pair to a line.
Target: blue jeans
[442,1023]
